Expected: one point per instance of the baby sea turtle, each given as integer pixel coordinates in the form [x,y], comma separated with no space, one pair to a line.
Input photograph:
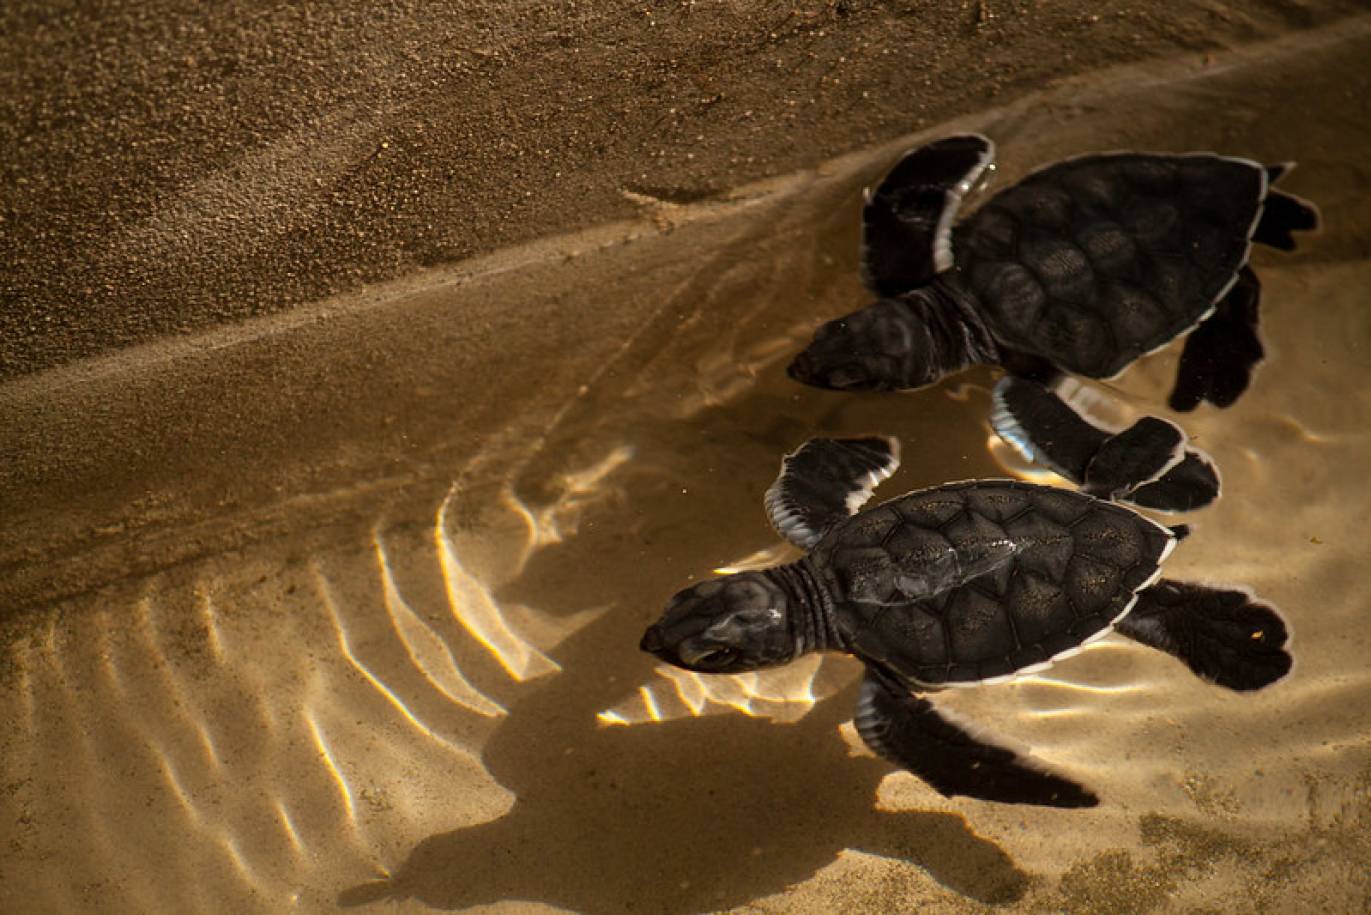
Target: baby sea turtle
[956,585]
[1082,267]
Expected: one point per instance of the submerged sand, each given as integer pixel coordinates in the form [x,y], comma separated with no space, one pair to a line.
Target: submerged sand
[339,608]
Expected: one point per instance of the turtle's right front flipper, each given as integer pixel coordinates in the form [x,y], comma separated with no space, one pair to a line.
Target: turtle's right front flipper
[1147,464]
[908,731]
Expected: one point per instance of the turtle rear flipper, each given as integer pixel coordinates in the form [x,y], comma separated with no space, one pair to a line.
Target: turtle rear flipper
[907,220]
[1146,464]
[824,481]
[1283,213]
[909,731]
[1219,356]
[1225,636]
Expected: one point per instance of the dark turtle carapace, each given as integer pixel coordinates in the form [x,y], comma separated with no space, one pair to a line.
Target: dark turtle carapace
[955,585]
[1082,267]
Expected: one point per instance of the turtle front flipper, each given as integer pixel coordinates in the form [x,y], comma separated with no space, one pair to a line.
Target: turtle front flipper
[1219,356]
[824,481]
[1224,636]
[909,731]
[1191,484]
[1141,453]
[1146,464]
[907,220]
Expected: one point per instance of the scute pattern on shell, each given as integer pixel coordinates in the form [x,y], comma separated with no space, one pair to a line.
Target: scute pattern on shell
[1077,563]
[1095,261]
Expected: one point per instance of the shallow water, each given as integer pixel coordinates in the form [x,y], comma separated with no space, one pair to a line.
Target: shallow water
[417,686]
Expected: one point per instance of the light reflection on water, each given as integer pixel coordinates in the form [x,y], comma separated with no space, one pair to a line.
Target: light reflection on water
[426,648]
[359,721]
[783,694]
[478,612]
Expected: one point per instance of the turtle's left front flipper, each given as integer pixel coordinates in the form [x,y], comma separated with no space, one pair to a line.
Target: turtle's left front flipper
[908,731]
[907,220]
[824,481]
[1147,464]
[1225,636]
[1143,452]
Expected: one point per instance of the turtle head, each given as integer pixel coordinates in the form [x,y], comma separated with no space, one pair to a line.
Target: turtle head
[724,626]
[891,345]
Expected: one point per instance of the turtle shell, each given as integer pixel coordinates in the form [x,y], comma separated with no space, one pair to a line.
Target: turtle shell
[1092,262]
[1063,568]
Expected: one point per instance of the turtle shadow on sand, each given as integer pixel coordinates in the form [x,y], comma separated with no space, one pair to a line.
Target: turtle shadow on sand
[695,813]
[676,816]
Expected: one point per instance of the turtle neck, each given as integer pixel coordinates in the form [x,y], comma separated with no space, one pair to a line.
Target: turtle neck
[809,608]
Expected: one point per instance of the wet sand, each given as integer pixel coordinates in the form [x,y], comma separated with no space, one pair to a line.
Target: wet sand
[336,609]
[168,169]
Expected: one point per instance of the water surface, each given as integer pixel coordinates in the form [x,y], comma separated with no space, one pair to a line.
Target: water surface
[417,687]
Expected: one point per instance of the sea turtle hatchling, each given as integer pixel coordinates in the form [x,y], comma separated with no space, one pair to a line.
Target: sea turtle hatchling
[1082,267]
[956,585]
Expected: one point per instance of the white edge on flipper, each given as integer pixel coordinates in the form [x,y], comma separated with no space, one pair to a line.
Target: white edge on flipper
[1039,666]
[1252,595]
[786,522]
[1208,461]
[1082,398]
[1078,396]
[952,204]
[952,201]
[867,486]
[1007,427]
[1177,455]
[1074,397]
[789,522]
